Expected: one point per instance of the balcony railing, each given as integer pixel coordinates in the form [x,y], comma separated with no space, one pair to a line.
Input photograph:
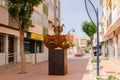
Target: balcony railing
[109,21]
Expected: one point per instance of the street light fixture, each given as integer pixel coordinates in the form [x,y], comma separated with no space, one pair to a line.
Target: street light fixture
[73,30]
[93,15]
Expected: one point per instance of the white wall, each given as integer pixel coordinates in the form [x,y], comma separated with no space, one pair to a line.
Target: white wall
[2,59]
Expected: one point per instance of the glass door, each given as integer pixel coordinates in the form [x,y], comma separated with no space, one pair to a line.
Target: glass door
[11,49]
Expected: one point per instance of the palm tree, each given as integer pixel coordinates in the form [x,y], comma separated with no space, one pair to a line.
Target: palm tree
[21,11]
[90,29]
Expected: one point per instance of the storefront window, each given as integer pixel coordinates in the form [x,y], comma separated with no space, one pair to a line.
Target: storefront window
[29,46]
[32,46]
[119,51]
[1,43]
[118,46]
[38,46]
[111,48]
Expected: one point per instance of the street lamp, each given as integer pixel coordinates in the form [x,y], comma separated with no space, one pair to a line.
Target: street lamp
[93,15]
[73,30]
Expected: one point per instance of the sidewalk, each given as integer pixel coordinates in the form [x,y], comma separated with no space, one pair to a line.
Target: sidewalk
[108,67]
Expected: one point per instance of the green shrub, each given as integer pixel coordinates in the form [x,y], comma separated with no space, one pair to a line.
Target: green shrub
[94,60]
[108,78]
[112,78]
[99,78]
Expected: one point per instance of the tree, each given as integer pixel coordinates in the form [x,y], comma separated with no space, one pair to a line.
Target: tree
[88,43]
[90,29]
[21,11]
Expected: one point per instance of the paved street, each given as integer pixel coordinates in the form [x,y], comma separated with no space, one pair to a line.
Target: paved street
[77,70]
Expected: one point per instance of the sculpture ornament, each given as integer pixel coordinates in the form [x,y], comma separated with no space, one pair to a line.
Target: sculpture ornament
[58,40]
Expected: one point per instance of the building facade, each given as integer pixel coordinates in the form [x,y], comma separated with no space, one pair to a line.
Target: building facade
[73,49]
[41,24]
[82,42]
[110,27]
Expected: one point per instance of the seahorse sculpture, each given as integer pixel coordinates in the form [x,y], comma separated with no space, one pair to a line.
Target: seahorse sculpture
[58,40]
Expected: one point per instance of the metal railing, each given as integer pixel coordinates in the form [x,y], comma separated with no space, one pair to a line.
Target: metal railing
[10,62]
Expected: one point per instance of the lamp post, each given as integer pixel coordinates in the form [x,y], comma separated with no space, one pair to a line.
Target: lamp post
[73,30]
[93,15]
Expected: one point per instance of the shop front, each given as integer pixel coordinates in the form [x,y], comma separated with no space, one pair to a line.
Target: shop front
[9,45]
[34,48]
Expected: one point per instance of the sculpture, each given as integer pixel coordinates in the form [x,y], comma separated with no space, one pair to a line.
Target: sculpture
[58,40]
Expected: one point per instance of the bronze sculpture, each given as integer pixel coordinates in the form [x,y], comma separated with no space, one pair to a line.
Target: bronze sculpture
[58,40]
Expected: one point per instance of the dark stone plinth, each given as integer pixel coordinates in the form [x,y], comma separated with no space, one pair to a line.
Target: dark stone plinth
[57,62]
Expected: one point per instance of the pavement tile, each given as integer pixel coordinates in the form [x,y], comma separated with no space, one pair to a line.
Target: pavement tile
[77,70]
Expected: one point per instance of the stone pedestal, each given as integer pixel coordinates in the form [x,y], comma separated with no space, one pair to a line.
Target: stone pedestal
[57,62]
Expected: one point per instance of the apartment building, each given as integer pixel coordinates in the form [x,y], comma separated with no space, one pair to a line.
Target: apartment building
[82,41]
[73,49]
[110,26]
[80,45]
[41,24]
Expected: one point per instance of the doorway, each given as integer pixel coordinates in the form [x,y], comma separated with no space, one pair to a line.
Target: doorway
[10,49]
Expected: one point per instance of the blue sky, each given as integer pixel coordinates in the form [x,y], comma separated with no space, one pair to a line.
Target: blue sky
[73,13]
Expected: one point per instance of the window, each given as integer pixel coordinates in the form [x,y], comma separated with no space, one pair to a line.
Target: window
[38,47]
[57,13]
[1,43]
[3,3]
[114,4]
[29,46]
[45,9]
[118,6]
[51,6]
[45,31]
[32,46]
[40,19]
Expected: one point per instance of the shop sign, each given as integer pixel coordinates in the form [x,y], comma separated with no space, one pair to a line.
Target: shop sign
[35,36]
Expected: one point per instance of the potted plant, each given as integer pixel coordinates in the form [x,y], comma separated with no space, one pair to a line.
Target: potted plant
[111,77]
[94,62]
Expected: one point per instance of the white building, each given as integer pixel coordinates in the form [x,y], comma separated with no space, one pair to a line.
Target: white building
[35,51]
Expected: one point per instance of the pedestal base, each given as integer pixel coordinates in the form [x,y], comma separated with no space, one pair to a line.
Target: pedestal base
[57,62]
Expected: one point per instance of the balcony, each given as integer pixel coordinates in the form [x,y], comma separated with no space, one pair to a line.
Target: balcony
[109,21]
[13,23]
[109,3]
[113,29]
